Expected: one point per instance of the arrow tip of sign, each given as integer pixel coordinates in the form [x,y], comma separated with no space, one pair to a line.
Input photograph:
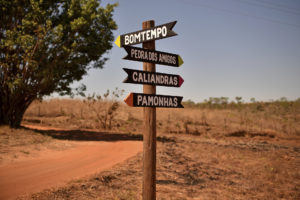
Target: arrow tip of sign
[118,41]
[129,100]
[180,61]
[180,81]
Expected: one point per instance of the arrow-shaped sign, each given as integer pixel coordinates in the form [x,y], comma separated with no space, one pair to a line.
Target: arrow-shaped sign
[150,100]
[151,56]
[151,78]
[155,33]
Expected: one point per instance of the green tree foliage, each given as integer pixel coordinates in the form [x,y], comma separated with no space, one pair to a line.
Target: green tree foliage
[45,45]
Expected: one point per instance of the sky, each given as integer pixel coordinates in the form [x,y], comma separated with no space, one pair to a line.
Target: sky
[246,48]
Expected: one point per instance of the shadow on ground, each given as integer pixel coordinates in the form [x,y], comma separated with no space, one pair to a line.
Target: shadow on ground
[84,135]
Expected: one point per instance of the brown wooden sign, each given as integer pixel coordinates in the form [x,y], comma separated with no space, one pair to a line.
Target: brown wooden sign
[151,56]
[149,100]
[146,35]
[151,78]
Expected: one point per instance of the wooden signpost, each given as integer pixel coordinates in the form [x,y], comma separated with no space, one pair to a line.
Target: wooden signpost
[148,99]
[157,57]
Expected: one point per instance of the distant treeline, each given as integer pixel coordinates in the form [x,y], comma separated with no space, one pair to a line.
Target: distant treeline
[224,103]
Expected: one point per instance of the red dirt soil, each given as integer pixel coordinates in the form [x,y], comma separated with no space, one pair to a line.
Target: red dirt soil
[54,168]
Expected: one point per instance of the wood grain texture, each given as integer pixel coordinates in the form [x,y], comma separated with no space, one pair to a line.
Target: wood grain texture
[149,145]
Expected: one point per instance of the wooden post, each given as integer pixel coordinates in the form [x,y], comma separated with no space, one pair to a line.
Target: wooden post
[149,145]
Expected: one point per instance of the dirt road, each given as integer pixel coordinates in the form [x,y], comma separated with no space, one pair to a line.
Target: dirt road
[54,168]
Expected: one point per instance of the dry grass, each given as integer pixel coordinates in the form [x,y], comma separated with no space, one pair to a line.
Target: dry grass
[273,120]
[17,144]
[192,167]
[241,153]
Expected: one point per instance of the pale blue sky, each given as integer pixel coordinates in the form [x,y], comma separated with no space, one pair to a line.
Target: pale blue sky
[248,48]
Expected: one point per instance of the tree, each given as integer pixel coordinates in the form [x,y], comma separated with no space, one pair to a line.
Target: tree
[47,45]
[283,99]
[189,103]
[224,100]
[238,100]
[253,100]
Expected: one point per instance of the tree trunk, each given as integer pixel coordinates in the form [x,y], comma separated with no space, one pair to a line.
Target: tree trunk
[13,107]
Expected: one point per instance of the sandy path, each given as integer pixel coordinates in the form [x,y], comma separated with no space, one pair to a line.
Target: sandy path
[54,168]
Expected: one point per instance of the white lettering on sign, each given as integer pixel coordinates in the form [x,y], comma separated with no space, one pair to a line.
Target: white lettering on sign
[141,80]
[156,79]
[166,102]
[146,35]
[175,80]
[164,31]
[175,102]
[144,55]
[140,97]
[134,76]
[156,101]
[153,33]
[144,101]
[137,36]
[126,39]
[158,32]
[167,58]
